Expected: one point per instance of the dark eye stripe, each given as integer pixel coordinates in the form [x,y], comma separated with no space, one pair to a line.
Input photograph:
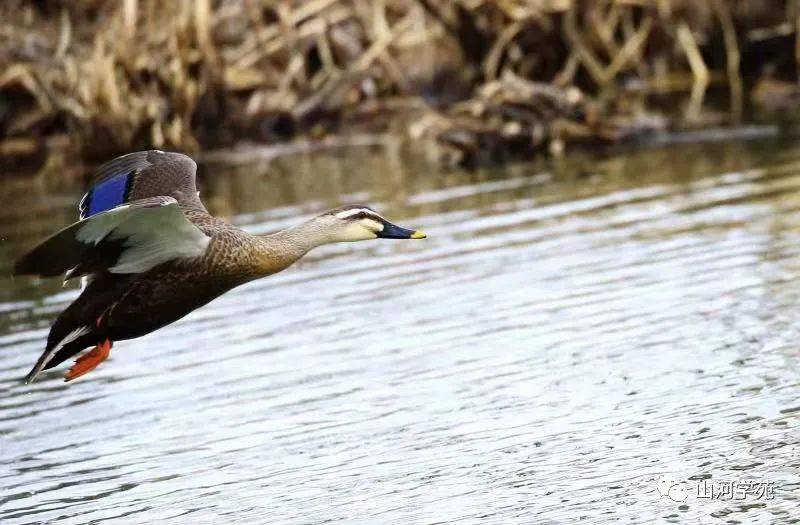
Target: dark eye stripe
[364,215]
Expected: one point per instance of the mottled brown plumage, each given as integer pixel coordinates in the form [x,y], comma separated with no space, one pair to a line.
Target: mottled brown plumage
[131,292]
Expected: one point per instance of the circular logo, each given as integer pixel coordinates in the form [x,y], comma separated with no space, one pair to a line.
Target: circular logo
[669,487]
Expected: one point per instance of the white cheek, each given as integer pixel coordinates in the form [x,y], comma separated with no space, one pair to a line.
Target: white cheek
[372,225]
[357,232]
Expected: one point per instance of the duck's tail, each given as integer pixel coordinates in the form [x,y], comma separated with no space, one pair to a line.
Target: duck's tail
[66,347]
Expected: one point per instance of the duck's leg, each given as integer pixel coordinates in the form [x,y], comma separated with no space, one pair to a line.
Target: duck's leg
[88,361]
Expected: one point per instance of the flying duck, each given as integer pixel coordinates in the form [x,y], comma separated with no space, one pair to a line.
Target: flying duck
[148,253]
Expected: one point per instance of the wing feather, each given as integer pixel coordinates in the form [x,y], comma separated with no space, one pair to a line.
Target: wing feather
[131,238]
[141,175]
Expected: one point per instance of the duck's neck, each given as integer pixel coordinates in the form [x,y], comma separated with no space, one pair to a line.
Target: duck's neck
[280,250]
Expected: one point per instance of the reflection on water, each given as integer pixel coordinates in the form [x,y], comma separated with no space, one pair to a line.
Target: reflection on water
[565,338]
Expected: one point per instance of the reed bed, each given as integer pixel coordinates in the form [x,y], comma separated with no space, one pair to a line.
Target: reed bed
[478,80]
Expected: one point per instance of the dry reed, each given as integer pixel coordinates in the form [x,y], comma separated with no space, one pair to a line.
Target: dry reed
[481,79]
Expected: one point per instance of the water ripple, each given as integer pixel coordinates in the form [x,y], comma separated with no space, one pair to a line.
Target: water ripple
[551,351]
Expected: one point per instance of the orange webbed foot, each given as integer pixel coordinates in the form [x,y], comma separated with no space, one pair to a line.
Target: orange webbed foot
[88,361]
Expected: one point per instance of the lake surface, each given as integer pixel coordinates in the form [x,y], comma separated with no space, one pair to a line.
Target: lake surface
[603,339]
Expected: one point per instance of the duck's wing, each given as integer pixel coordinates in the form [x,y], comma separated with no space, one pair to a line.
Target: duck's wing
[131,238]
[141,175]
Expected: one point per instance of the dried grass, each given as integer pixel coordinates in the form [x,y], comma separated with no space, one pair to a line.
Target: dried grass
[482,78]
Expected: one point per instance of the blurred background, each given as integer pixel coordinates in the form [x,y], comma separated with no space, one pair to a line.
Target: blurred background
[601,322]
[477,80]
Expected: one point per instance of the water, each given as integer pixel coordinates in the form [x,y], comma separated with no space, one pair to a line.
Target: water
[567,336]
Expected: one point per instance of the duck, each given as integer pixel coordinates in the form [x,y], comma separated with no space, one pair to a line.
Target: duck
[148,252]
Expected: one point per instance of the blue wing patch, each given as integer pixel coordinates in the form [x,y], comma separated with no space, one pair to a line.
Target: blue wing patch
[107,194]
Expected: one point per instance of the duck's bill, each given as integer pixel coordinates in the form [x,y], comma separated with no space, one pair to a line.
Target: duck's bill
[393,231]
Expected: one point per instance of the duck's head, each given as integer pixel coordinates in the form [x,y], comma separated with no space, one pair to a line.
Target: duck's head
[356,222]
